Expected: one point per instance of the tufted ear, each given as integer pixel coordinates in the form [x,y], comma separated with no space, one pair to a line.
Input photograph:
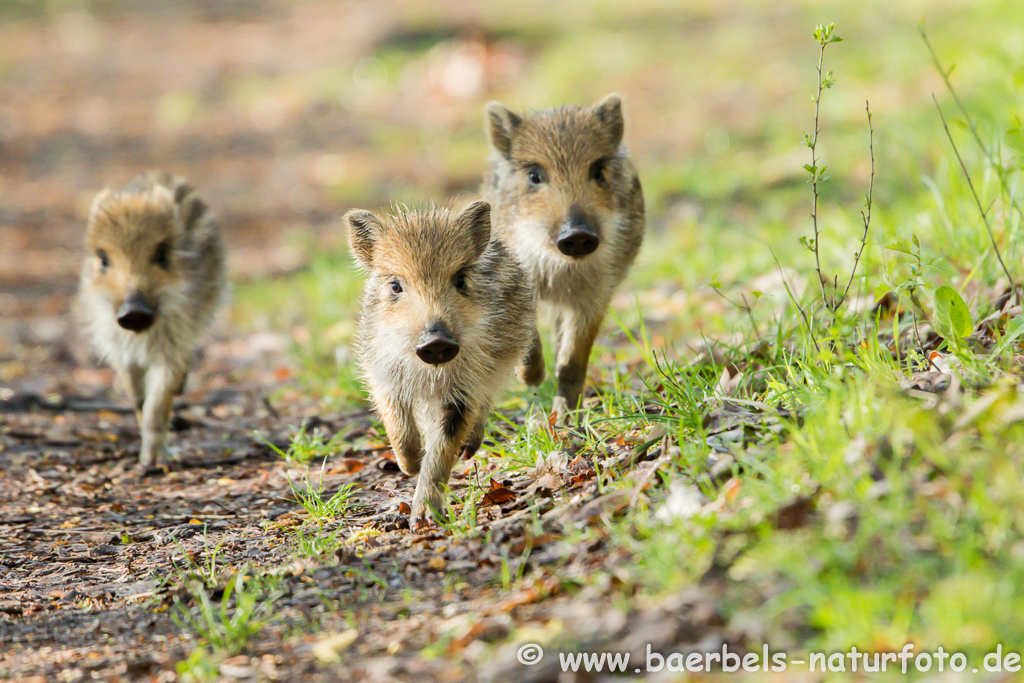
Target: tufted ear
[501,127]
[609,112]
[363,228]
[475,219]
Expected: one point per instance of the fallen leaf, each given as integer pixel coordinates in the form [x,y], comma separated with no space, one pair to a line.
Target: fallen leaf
[329,649]
[347,466]
[496,495]
[531,542]
[794,515]
[732,489]
[609,503]
[520,598]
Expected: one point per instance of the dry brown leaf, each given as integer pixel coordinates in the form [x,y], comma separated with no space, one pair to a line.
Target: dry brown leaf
[520,598]
[531,542]
[347,466]
[497,495]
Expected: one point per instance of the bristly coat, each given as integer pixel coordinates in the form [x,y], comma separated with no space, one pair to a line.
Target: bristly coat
[568,201]
[446,315]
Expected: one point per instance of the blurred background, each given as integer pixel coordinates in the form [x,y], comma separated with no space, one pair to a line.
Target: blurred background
[286,114]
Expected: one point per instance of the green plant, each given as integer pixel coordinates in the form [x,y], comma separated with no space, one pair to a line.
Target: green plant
[307,446]
[312,499]
[825,35]
[227,623]
[315,544]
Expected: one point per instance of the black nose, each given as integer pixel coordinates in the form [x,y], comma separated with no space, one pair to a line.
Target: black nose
[135,314]
[577,241]
[438,348]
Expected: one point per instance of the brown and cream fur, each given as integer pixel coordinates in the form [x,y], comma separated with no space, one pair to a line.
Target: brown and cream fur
[152,281]
[556,175]
[435,280]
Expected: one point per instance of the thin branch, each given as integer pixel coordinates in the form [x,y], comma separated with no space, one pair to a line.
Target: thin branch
[984,214]
[814,175]
[972,126]
[949,86]
[866,214]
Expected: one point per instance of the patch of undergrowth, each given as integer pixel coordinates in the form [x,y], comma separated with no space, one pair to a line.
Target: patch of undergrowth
[864,478]
[839,459]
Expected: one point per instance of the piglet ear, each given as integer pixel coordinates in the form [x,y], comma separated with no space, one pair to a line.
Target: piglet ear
[99,203]
[609,112]
[98,211]
[475,219]
[363,228]
[501,128]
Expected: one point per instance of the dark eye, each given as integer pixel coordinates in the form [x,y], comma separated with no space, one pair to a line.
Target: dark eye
[396,287]
[597,171]
[461,283]
[104,259]
[535,175]
[162,255]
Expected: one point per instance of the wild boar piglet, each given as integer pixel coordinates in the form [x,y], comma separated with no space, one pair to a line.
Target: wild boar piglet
[568,202]
[151,284]
[447,313]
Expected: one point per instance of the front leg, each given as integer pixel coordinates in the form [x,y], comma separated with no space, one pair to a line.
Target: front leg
[531,369]
[443,437]
[402,432]
[576,335]
[160,384]
[476,435]
[133,379]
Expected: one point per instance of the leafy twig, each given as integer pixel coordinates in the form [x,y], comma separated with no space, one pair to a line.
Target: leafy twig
[824,34]
[977,199]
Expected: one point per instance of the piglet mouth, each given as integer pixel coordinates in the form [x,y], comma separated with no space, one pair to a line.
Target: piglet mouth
[136,314]
[437,345]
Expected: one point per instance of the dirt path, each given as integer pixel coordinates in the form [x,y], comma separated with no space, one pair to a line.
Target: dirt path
[99,564]
[97,560]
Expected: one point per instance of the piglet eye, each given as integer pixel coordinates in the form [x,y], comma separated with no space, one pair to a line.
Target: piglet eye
[104,259]
[396,287]
[598,172]
[535,174]
[461,282]
[162,255]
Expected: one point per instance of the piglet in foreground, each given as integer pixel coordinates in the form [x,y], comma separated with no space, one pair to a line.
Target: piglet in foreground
[447,313]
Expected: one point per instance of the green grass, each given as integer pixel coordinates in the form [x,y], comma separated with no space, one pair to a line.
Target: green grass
[914,530]
[224,621]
